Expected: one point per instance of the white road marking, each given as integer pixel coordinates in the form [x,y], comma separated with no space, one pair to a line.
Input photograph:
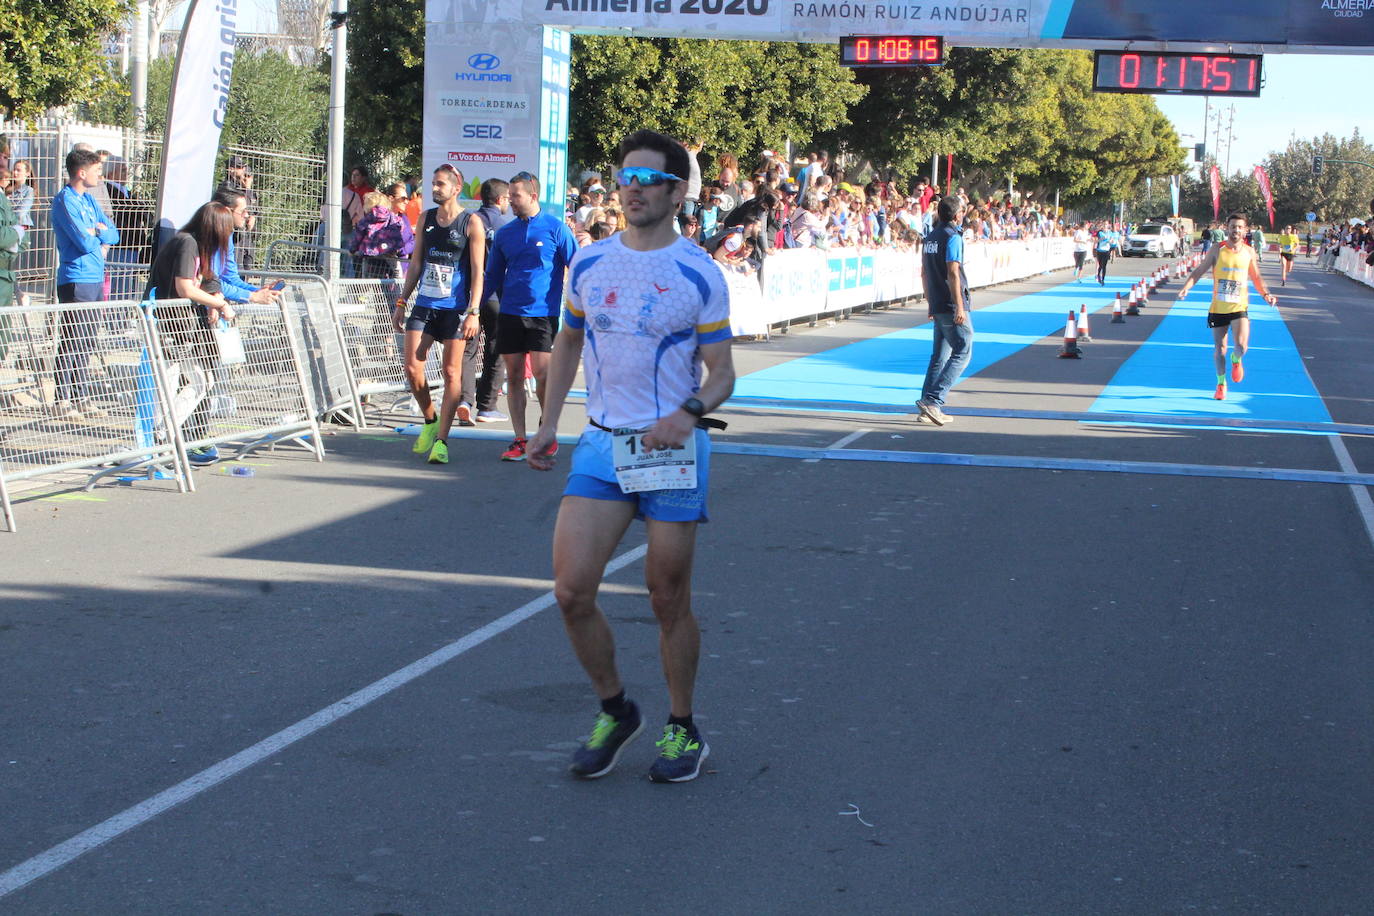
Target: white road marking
[1362,501]
[841,443]
[62,854]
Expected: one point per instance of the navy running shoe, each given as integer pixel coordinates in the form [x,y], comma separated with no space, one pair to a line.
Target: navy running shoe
[609,736]
[681,754]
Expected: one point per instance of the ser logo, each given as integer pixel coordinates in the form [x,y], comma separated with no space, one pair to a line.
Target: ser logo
[483,67]
[482,131]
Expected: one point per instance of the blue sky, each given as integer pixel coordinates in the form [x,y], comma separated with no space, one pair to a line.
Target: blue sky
[1304,94]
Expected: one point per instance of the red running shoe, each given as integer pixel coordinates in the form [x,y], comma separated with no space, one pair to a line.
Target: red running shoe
[516,452]
[1237,371]
[1221,392]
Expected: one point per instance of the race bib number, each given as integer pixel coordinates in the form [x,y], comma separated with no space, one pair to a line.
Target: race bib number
[1228,291]
[638,469]
[437,282]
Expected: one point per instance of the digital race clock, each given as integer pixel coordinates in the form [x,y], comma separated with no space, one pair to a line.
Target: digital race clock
[892,51]
[1177,72]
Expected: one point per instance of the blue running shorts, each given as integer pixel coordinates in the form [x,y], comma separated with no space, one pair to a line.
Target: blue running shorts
[593,476]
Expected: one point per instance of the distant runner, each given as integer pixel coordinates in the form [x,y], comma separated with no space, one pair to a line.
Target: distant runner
[1288,246]
[1234,267]
[1102,249]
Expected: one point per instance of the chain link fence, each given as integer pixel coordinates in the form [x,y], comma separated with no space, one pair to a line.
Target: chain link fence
[287,191]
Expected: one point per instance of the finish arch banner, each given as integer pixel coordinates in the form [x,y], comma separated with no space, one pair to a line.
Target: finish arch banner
[1257,26]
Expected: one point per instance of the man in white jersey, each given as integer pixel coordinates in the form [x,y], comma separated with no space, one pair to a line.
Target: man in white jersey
[652,308]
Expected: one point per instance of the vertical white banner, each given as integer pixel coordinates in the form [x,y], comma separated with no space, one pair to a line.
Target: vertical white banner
[196,108]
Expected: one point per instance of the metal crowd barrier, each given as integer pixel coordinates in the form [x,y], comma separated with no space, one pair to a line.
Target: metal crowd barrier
[244,400]
[6,509]
[375,351]
[321,347]
[79,393]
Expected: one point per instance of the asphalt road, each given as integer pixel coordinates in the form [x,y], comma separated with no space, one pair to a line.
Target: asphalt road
[928,689]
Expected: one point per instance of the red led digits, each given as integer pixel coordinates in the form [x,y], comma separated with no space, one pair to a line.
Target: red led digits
[1195,74]
[1129,71]
[892,50]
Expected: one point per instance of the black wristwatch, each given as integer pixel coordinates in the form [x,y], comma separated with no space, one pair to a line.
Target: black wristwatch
[694,407]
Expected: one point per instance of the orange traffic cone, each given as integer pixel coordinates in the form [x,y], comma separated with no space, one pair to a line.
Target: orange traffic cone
[1117,317]
[1070,350]
[1144,295]
[1083,334]
[1133,305]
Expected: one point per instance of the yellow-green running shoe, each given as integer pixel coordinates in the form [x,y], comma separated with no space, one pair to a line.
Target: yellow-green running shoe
[425,441]
[439,454]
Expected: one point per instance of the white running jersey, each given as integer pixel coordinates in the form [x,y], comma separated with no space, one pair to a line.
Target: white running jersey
[644,313]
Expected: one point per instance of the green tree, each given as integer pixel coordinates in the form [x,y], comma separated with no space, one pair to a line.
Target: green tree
[1029,115]
[273,103]
[53,53]
[1341,192]
[735,96]
[386,81]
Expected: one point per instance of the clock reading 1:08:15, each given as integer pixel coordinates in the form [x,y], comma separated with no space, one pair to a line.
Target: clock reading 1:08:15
[1177,73]
[892,51]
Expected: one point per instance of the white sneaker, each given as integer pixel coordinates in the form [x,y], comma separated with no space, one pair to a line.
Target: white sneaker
[933,414]
[67,411]
[91,411]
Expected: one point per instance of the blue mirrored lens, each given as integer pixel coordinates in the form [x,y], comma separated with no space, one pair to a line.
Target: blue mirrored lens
[646,177]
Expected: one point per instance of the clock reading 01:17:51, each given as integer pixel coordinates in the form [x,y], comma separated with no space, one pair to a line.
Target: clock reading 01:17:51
[892,51]
[1178,72]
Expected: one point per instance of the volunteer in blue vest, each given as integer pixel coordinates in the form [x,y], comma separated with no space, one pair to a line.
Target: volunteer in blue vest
[948,303]
[529,258]
[447,272]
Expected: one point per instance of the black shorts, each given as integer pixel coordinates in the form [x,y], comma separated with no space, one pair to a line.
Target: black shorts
[441,324]
[1287,256]
[1222,319]
[519,334]
[1079,257]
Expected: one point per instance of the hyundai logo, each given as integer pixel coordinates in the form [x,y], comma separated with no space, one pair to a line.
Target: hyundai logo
[484,61]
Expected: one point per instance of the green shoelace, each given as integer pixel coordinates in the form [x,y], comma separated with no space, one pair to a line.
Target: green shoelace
[675,741]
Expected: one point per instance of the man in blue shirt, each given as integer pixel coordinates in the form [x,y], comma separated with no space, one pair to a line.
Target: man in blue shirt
[83,233]
[947,299]
[234,287]
[529,258]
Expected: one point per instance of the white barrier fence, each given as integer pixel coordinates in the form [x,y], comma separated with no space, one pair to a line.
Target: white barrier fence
[121,390]
[807,282]
[1352,263]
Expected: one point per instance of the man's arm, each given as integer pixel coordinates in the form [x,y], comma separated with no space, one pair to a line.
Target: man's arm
[67,223]
[1256,279]
[234,287]
[477,259]
[105,229]
[954,275]
[672,430]
[567,352]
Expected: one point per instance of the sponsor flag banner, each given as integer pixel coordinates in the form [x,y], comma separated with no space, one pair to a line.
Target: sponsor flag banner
[1216,192]
[196,106]
[1173,192]
[1263,178]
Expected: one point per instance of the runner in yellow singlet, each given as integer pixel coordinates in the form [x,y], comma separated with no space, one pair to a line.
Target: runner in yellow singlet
[1233,267]
[1288,246]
